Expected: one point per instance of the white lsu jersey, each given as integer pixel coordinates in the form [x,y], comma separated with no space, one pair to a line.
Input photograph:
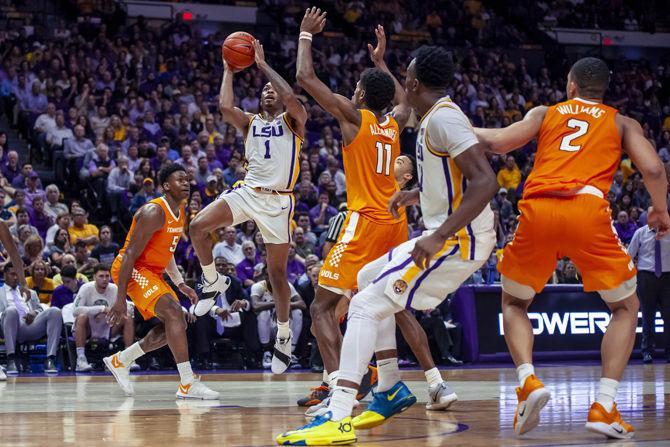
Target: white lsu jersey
[272,150]
[445,133]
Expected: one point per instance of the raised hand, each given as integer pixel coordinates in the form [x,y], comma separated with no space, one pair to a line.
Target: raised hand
[377,53]
[259,54]
[314,20]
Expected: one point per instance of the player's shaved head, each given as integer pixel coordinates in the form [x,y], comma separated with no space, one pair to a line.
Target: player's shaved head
[590,76]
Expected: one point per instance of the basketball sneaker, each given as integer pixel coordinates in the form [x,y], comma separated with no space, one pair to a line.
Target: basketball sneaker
[83,365]
[608,424]
[208,293]
[120,372]
[369,381]
[196,390]
[322,408]
[532,398]
[384,406]
[281,357]
[441,397]
[321,431]
[316,396]
[3,376]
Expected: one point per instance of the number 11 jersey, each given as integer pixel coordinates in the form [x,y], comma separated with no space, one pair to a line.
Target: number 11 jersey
[368,166]
[578,145]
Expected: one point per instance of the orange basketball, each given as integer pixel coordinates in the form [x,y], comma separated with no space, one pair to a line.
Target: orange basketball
[238,50]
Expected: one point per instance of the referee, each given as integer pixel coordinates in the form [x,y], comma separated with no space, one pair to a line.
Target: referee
[653,285]
[334,228]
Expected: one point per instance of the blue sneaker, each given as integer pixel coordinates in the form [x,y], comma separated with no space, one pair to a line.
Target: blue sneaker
[384,406]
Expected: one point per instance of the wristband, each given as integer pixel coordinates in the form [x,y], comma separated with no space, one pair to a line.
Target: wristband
[305,35]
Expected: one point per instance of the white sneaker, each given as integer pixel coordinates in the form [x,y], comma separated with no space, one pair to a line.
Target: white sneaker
[120,372]
[441,397]
[3,376]
[209,292]
[134,366]
[281,357]
[196,390]
[83,365]
[322,408]
[267,360]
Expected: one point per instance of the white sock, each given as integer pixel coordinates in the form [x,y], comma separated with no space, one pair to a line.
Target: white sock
[524,371]
[388,373]
[331,380]
[433,377]
[283,330]
[131,353]
[185,373]
[607,393]
[209,272]
[81,353]
[342,402]
[324,376]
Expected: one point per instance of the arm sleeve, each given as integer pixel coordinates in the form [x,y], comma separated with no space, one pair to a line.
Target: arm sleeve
[449,132]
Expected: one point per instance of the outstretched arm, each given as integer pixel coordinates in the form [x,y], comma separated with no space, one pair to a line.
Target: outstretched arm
[337,105]
[231,114]
[512,137]
[402,111]
[293,105]
[150,219]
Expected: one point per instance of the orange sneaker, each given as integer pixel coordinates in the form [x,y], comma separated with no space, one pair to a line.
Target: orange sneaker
[532,398]
[608,424]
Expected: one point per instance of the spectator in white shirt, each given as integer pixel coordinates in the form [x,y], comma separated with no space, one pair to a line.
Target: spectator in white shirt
[47,120]
[91,306]
[263,304]
[228,247]
[59,132]
[100,121]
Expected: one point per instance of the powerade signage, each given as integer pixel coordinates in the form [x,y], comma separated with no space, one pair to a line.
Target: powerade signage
[564,318]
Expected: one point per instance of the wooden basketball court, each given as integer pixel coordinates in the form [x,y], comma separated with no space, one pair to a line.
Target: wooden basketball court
[90,410]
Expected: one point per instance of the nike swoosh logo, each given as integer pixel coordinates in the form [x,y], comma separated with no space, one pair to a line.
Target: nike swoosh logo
[284,207]
[184,388]
[116,363]
[618,430]
[522,411]
[390,397]
[170,222]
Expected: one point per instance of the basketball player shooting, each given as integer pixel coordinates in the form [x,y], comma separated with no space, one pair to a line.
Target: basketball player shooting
[273,140]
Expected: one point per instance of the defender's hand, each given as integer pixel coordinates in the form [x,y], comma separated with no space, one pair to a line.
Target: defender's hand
[314,20]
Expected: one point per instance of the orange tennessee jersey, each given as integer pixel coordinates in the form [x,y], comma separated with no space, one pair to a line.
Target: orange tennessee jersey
[578,145]
[163,243]
[368,165]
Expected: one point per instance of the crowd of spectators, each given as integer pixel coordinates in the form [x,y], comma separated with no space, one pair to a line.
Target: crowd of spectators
[109,108]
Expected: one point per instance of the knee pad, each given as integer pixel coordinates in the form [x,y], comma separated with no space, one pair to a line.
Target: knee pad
[625,289]
[517,290]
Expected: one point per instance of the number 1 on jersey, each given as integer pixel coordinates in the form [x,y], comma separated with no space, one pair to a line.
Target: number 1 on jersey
[267,149]
[582,127]
[383,158]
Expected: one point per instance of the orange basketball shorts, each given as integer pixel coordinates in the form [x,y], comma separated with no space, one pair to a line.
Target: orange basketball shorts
[361,242]
[145,287]
[579,227]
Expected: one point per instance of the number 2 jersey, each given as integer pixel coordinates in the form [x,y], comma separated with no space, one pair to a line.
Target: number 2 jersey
[160,248]
[272,150]
[578,145]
